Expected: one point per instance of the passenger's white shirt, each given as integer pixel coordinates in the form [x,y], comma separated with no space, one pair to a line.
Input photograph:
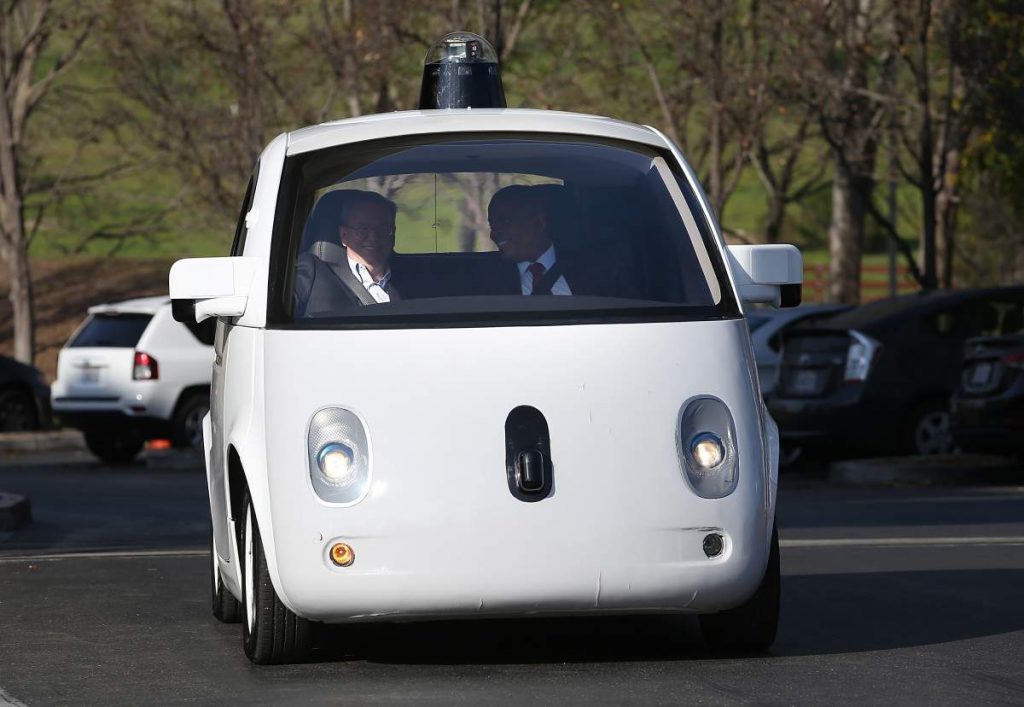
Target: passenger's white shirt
[376,289]
[547,259]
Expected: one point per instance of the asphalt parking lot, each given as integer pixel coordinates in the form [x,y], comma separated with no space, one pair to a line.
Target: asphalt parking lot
[890,595]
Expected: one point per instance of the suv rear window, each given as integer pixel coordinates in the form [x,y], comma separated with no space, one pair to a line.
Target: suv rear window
[111,330]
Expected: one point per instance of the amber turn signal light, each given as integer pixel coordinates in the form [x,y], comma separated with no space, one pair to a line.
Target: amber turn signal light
[342,554]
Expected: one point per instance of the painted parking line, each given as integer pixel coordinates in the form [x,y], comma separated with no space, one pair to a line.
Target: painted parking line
[901,542]
[104,555]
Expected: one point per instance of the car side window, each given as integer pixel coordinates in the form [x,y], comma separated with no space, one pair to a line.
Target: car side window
[998,316]
[946,322]
[238,244]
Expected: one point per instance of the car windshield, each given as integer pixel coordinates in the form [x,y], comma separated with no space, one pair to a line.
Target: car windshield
[111,330]
[457,229]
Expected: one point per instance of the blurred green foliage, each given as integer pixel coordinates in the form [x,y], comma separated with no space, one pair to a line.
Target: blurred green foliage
[143,144]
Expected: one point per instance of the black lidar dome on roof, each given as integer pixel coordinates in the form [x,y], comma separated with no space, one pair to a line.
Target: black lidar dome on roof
[461,71]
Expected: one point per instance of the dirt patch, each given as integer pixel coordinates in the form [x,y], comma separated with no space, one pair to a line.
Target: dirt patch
[66,288]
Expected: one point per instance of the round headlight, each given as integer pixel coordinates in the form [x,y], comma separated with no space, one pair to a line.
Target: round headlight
[336,461]
[707,450]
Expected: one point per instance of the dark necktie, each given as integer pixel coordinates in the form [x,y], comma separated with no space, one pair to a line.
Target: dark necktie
[536,271]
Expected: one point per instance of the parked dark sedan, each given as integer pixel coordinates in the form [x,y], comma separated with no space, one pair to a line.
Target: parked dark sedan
[24,397]
[988,408]
[878,379]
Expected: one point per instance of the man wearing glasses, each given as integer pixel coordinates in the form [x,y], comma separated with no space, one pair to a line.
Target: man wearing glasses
[349,260]
[368,236]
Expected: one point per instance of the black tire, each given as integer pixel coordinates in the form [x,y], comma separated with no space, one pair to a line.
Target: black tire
[928,430]
[271,633]
[226,608]
[114,448]
[750,626]
[18,411]
[188,421]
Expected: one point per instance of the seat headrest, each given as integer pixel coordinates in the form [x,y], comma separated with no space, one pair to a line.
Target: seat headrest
[562,219]
[323,221]
[332,253]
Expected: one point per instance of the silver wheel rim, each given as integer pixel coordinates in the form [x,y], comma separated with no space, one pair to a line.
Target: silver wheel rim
[932,433]
[194,426]
[250,583]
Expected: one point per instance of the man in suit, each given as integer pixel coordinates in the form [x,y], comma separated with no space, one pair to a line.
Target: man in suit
[355,266]
[521,220]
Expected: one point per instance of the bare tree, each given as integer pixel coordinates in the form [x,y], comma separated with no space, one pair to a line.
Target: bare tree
[708,67]
[939,117]
[206,85]
[30,63]
[843,70]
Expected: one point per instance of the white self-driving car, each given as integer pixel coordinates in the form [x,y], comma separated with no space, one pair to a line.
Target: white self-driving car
[411,421]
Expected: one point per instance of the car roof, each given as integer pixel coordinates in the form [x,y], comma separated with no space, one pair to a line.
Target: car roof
[141,305]
[912,304]
[418,122]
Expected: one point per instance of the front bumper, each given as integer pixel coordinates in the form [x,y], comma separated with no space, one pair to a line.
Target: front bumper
[508,564]
[989,424]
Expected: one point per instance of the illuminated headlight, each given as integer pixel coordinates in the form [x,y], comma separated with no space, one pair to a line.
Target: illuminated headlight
[336,461]
[706,444]
[339,456]
[707,450]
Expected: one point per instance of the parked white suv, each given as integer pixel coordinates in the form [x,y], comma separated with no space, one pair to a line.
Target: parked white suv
[130,373]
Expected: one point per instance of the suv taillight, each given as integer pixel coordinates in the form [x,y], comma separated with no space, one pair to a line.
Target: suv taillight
[145,368]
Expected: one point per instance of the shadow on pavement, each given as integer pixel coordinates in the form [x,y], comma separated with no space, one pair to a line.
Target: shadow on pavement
[821,614]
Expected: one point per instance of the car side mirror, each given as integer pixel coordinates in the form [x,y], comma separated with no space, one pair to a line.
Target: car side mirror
[768,274]
[210,287]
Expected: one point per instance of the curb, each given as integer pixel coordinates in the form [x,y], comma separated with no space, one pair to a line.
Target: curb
[940,470]
[12,443]
[15,511]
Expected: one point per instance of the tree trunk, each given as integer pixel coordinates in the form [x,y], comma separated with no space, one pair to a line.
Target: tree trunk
[773,219]
[846,234]
[946,203]
[20,296]
[12,236]
[717,110]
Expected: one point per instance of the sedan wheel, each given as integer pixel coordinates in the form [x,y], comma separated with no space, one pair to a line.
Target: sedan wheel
[931,433]
[17,412]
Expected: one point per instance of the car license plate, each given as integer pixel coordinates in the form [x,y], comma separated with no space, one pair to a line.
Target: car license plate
[981,373]
[89,375]
[805,382]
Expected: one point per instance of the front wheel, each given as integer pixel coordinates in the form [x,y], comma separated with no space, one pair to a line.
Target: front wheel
[750,626]
[271,633]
